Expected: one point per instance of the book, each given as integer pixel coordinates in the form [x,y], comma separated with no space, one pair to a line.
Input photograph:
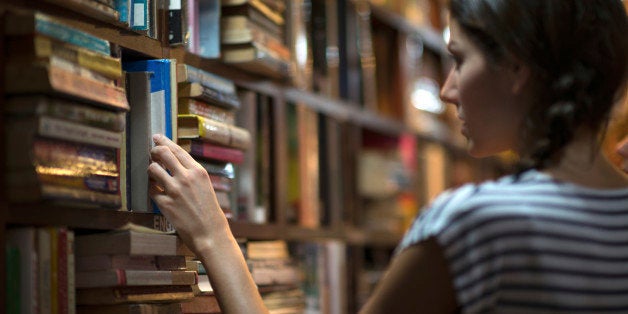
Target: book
[197,127]
[188,73]
[209,150]
[40,23]
[176,22]
[140,14]
[128,242]
[267,249]
[254,58]
[64,177]
[197,107]
[208,95]
[134,294]
[163,87]
[24,78]
[53,194]
[90,8]
[41,105]
[252,8]
[30,126]
[208,18]
[143,123]
[23,241]
[220,183]
[132,277]
[39,46]
[135,262]
[132,308]
[239,29]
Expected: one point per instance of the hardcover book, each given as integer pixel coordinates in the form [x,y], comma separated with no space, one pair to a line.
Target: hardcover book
[197,127]
[129,242]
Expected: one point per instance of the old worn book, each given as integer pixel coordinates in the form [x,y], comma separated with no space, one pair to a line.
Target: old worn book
[90,8]
[135,262]
[209,95]
[24,78]
[129,242]
[255,58]
[209,150]
[134,294]
[36,46]
[197,127]
[197,107]
[131,277]
[55,107]
[39,23]
[252,8]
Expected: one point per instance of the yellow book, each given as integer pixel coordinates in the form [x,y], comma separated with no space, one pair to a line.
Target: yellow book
[196,127]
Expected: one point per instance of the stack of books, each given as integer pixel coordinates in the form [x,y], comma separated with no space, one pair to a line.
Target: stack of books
[207,130]
[277,276]
[64,114]
[252,36]
[123,268]
[40,270]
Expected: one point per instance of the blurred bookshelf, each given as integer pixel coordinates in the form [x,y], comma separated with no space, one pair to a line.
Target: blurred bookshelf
[336,163]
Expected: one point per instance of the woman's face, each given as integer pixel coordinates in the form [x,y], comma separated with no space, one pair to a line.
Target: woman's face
[486,95]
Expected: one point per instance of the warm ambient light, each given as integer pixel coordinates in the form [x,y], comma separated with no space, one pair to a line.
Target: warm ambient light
[425,96]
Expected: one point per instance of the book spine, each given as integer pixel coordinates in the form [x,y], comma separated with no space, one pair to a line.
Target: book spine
[54,270]
[48,26]
[28,79]
[71,131]
[44,269]
[175,23]
[66,110]
[207,150]
[62,269]
[210,95]
[90,182]
[123,7]
[71,273]
[81,158]
[197,107]
[187,73]
[209,28]
[218,132]
[90,8]
[55,192]
[139,15]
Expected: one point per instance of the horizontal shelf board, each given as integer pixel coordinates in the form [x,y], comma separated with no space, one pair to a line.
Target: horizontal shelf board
[431,38]
[104,219]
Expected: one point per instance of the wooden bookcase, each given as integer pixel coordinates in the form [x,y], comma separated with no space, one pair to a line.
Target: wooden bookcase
[350,115]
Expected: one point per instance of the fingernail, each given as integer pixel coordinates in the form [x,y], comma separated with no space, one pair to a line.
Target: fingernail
[156,137]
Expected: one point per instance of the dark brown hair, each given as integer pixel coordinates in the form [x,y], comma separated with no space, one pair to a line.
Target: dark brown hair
[577,51]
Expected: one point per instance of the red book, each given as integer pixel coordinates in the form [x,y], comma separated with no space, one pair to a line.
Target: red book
[213,151]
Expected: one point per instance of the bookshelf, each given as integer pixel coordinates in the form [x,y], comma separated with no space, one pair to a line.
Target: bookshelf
[349,119]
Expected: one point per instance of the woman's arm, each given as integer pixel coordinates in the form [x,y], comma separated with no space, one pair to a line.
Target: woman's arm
[182,190]
[417,281]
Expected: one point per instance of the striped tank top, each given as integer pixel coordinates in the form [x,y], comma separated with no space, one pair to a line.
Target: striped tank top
[531,245]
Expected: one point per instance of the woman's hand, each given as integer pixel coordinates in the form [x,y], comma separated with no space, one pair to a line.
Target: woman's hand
[181,188]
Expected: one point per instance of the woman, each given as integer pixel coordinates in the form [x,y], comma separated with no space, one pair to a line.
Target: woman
[538,77]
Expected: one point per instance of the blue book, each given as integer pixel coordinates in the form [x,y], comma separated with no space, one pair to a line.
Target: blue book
[163,89]
[139,15]
[162,115]
[123,6]
[39,23]
[209,28]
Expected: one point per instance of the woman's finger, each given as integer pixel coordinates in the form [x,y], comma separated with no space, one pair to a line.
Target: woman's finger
[164,156]
[184,158]
[162,179]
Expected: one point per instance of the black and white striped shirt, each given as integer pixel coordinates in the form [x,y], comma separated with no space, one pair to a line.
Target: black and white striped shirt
[532,245]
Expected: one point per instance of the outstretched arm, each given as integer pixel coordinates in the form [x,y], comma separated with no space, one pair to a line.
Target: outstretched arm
[622,150]
[182,190]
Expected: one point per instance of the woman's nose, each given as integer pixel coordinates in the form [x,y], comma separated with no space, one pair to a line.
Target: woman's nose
[449,91]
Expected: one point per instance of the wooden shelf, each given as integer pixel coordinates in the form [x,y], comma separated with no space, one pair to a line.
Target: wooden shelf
[431,38]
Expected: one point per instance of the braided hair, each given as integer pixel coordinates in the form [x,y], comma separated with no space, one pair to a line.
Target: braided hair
[577,51]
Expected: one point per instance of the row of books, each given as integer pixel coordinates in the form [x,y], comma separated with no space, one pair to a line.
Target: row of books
[84,144]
